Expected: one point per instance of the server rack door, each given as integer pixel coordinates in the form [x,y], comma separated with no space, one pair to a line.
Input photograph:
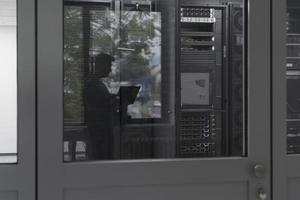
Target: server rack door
[17,104]
[286,111]
[153,99]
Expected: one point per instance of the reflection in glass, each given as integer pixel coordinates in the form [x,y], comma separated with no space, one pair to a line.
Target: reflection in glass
[140,61]
[293,76]
[8,82]
[126,96]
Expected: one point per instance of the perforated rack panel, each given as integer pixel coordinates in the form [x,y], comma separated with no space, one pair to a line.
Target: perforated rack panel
[197,134]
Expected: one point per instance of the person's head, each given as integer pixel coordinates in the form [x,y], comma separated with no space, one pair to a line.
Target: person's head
[103,64]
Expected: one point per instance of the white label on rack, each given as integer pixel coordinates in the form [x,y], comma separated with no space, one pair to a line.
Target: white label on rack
[198,20]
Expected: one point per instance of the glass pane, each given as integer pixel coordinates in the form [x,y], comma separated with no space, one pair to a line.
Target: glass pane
[8,82]
[138,87]
[141,66]
[293,76]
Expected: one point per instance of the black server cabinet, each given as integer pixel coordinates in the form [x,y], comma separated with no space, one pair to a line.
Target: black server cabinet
[293,77]
[212,79]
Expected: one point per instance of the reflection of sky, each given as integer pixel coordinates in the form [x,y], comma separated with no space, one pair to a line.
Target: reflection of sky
[155,18]
[156,49]
[156,58]
[148,102]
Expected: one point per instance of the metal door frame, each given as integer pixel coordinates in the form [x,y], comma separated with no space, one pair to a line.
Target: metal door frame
[18,179]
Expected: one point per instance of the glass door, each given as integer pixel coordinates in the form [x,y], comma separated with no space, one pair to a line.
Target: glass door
[286,97]
[137,93]
[119,82]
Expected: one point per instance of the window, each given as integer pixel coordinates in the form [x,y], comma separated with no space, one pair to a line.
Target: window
[140,85]
[8,81]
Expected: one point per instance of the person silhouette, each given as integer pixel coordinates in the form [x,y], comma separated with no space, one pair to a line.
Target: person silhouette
[98,103]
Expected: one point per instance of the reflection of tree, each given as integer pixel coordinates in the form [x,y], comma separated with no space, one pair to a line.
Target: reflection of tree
[105,39]
[141,32]
[104,32]
[138,31]
[73,61]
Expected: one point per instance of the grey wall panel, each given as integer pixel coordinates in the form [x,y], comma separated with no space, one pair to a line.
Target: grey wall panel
[209,191]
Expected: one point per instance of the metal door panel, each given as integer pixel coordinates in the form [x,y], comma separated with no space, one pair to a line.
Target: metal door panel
[161,192]
[18,180]
[11,195]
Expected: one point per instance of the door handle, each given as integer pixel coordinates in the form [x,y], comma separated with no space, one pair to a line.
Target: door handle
[259,170]
[261,194]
